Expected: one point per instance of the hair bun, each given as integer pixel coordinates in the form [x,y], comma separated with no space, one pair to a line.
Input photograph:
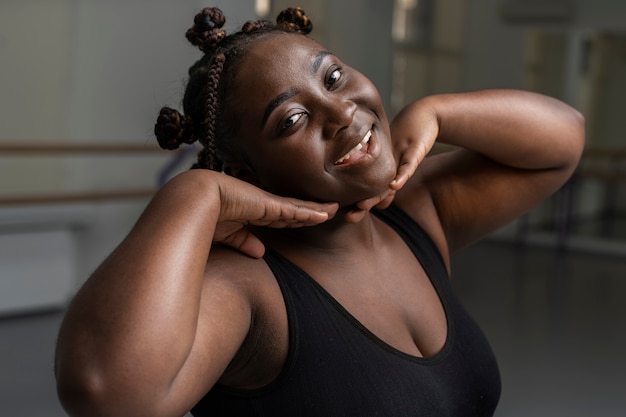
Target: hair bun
[256,25]
[207,31]
[172,129]
[295,19]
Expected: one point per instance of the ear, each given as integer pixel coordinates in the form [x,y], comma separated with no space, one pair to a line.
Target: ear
[241,171]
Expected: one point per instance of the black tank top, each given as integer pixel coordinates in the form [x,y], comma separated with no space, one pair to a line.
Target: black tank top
[337,367]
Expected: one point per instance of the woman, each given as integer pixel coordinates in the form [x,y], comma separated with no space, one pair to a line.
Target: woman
[312,280]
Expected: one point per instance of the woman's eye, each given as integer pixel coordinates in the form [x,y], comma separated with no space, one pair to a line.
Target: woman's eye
[333,77]
[292,120]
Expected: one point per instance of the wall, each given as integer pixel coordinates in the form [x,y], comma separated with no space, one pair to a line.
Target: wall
[34,36]
[494,47]
[82,71]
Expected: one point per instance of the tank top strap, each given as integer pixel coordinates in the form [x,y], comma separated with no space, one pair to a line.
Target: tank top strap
[416,238]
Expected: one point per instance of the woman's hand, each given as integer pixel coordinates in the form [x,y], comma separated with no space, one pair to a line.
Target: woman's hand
[414,134]
[243,204]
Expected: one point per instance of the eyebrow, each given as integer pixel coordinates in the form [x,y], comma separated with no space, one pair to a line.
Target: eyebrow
[280,99]
[317,61]
[292,92]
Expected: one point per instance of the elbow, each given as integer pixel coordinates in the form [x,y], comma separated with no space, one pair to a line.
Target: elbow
[80,386]
[82,394]
[85,392]
[579,123]
[576,141]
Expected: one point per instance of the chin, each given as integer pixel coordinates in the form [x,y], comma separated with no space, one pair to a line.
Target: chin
[387,171]
[374,187]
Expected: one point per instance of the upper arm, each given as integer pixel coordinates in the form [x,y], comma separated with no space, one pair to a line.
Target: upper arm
[144,385]
[512,149]
[241,337]
[224,321]
[472,195]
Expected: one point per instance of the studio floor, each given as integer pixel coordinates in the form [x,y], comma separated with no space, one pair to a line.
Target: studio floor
[556,321]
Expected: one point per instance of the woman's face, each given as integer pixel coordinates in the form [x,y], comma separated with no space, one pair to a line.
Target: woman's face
[310,126]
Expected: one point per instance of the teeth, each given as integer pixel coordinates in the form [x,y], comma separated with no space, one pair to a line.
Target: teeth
[358,147]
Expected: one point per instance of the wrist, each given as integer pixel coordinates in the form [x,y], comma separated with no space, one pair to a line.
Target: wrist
[193,194]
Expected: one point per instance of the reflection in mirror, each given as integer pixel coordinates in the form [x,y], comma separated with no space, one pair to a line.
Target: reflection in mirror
[585,69]
[428,44]
[581,67]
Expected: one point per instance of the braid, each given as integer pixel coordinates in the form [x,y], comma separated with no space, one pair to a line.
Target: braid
[210,78]
[211,94]
[257,25]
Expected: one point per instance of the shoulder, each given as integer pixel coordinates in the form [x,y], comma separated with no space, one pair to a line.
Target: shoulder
[247,280]
[416,200]
[226,263]
[251,292]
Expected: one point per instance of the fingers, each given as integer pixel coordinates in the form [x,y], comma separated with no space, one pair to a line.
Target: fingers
[405,171]
[287,213]
[409,160]
[246,243]
[355,216]
[362,207]
[247,204]
[386,202]
[306,213]
[372,201]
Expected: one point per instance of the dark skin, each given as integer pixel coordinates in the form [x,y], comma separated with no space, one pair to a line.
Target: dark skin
[176,289]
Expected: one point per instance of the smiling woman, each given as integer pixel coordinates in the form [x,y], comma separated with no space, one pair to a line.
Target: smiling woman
[317,109]
[302,268]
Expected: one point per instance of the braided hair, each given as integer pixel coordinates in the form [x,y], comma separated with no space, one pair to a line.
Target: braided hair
[209,81]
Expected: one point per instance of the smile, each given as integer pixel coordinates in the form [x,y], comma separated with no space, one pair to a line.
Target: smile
[357,148]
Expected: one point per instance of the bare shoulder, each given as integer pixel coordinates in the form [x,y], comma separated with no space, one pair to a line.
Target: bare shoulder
[247,279]
[242,279]
[453,195]
[252,292]
[227,266]
[464,195]
[416,199]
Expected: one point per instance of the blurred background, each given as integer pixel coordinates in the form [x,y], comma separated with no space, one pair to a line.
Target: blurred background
[82,82]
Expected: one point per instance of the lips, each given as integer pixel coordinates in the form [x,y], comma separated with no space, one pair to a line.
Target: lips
[352,153]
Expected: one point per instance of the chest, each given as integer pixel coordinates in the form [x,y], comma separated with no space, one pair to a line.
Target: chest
[342,359]
[388,292]
[396,340]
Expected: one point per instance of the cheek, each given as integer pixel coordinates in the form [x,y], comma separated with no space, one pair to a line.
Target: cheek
[295,180]
[289,173]
[365,90]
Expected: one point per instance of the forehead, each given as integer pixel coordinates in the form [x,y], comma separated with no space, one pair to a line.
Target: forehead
[280,52]
[271,66]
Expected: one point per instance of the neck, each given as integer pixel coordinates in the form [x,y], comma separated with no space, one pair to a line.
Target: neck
[334,237]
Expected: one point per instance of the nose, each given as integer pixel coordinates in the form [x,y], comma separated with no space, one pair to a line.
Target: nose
[339,115]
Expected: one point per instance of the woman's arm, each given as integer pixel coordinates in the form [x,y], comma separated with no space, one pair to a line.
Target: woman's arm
[517,148]
[151,330]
